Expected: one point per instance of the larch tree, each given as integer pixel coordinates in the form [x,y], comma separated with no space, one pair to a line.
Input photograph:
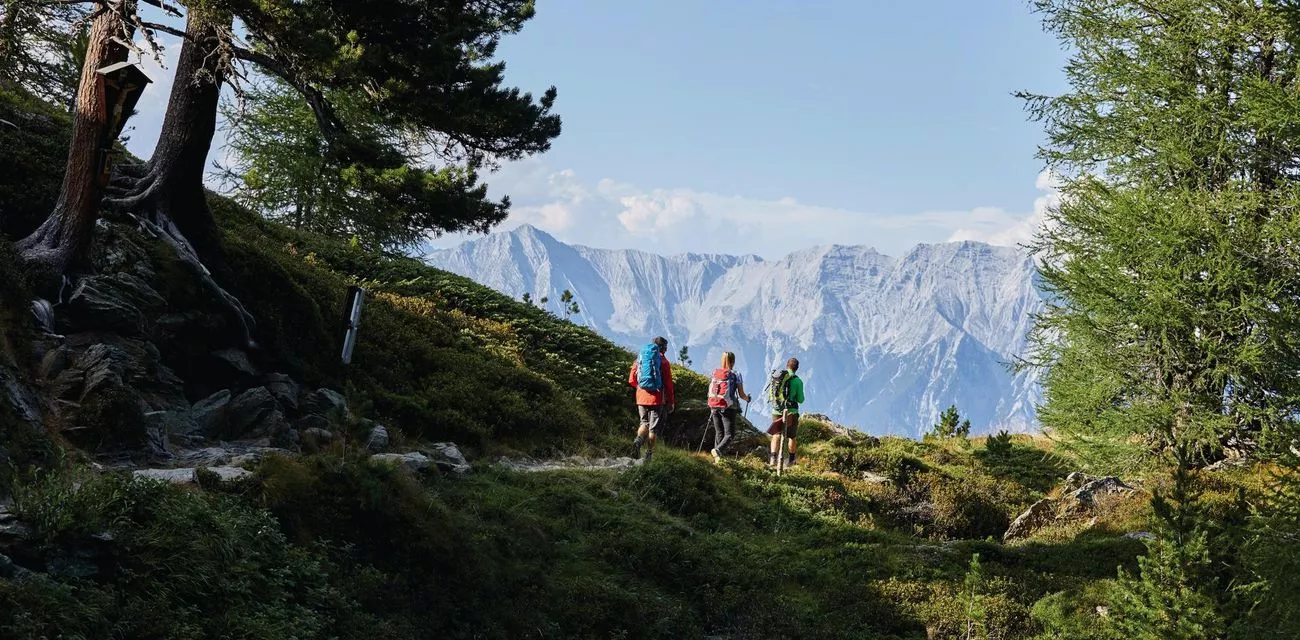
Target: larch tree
[1173,333]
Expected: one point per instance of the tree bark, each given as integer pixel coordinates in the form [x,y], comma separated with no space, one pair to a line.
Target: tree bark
[166,195]
[61,241]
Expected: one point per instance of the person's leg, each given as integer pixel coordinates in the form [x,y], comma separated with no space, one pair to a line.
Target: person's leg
[656,421]
[715,423]
[726,425]
[775,429]
[641,431]
[791,432]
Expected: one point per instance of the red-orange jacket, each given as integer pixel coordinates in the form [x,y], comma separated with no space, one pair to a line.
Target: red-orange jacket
[652,398]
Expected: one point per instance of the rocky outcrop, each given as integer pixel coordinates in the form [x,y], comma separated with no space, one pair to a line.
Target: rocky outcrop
[1081,497]
[443,456]
[190,475]
[531,465]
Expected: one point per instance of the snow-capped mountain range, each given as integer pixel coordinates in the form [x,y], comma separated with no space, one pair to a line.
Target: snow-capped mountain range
[884,343]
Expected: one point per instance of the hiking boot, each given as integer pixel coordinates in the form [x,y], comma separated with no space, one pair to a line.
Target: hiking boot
[648,455]
[636,449]
[717,457]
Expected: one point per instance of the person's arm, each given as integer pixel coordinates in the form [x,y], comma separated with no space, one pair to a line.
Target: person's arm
[631,376]
[798,394]
[671,397]
[740,391]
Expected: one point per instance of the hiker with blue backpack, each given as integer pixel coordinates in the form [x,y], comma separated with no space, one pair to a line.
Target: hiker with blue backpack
[652,377]
[726,390]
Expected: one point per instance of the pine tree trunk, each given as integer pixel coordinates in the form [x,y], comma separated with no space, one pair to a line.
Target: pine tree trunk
[61,241]
[172,186]
[167,194]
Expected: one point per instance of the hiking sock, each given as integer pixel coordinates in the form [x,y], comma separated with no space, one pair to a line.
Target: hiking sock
[771,461]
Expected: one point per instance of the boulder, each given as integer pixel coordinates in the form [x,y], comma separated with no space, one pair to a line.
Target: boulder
[443,456]
[284,390]
[209,414]
[316,440]
[448,457]
[377,440]
[328,404]
[190,474]
[232,363]
[413,461]
[117,302]
[1035,517]
[1087,493]
[875,478]
[254,413]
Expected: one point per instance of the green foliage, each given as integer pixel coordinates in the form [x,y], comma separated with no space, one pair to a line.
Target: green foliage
[404,104]
[971,507]
[1173,280]
[39,48]
[950,425]
[31,160]
[999,445]
[282,168]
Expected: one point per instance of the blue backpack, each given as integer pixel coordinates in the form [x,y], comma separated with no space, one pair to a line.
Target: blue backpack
[648,374]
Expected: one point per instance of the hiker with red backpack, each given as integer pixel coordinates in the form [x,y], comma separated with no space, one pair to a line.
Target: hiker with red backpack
[652,377]
[726,390]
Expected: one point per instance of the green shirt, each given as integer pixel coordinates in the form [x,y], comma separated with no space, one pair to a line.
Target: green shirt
[796,394]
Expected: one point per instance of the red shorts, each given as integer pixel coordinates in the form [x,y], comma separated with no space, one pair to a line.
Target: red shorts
[791,421]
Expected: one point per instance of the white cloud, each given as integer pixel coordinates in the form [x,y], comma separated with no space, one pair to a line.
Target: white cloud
[611,214]
[1018,231]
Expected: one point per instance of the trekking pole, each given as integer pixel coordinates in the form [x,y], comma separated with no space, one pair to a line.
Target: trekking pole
[780,450]
[708,424]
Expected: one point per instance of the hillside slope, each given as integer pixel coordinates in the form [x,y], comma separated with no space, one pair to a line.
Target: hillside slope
[886,343]
[336,534]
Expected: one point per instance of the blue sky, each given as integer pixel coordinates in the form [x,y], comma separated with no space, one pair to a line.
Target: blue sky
[768,126]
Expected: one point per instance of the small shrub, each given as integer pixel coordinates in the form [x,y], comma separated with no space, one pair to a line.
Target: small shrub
[969,508]
[999,445]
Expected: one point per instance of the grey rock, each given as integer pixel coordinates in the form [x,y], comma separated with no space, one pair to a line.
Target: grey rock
[284,389]
[117,302]
[20,399]
[286,438]
[1086,495]
[414,461]
[875,478]
[210,413]
[448,457]
[173,423]
[530,465]
[235,362]
[327,403]
[1036,516]
[1140,535]
[316,440]
[254,413]
[118,249]
[189,475]
[377,440]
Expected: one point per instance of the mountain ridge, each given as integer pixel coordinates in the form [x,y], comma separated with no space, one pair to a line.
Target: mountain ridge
[885,342]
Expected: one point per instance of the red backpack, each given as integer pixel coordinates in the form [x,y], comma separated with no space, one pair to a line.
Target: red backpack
[722,389]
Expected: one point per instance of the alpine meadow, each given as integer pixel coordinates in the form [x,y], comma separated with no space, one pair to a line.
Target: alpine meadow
[250,388]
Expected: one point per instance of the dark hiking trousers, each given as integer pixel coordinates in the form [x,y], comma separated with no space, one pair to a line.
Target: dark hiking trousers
[724,426]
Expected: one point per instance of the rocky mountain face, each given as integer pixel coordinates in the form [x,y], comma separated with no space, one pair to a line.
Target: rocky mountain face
[885,343]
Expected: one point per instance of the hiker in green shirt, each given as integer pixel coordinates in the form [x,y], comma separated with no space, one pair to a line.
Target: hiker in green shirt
[786,394]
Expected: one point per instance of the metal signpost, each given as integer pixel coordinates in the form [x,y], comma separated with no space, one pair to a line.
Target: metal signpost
[351,319]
